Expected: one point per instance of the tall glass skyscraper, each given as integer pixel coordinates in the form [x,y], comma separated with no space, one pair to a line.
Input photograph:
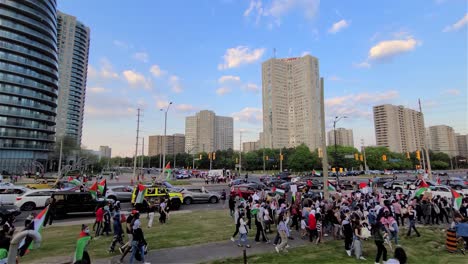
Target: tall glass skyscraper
[73,49]
[28,82]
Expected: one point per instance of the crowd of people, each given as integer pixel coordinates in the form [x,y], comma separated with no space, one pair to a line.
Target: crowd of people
[354,217]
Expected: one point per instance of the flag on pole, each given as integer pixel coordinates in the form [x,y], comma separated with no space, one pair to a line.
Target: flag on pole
[168,170]
[103,187]
[81,245]
[93,190]
[140,194]
[26,243]
[168,165]
[279,191]
[422,188]
[331,186]
[457,200]
[74,182]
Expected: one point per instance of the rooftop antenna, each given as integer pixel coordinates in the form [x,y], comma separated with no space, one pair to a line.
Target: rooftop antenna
[274,53]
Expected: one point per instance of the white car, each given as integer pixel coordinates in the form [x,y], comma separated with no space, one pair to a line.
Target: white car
[34,199]
[8,194]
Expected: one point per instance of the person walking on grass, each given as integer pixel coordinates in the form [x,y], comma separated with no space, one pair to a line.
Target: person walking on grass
[357,242]
[412,221]
[162,211]
[237,214]
[312,226]
[283,231]
[347,232]
[99,219]
[151,212]
[243,231]
[129,228]
[117,230]
[232,205]
[379,238]
[258,223]
[139,242]
[223,198]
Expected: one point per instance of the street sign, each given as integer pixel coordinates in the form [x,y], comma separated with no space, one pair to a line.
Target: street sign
[349,156]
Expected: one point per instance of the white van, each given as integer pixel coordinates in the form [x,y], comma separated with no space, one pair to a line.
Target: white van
[8,194]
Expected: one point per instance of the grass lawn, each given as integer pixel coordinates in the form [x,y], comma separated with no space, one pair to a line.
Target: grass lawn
[427,249]
[181,230]
[179,182]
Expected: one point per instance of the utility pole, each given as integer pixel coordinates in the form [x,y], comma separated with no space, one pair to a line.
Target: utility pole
[136,144]
[160,156]
[363,149]
[281,160]
[164,138]
[263,160]
[324,143]
[142,153]
[173,150]
[240,153]
[60,160]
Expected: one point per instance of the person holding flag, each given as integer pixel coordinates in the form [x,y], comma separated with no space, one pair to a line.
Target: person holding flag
[81,254]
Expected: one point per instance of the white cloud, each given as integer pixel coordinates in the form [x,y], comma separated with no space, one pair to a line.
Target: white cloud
[363,64]
[120,44]
[97,90]
[304,53]
[458,25]
[136,79]
[357,105]
[391,48]
[334,78]
[251,87]
[276,9]
[157,71]
[338,26]
[234,57]
[107,106]
[452,92]
[228,78]
[105,71]
[174,82]
[141,56]
[250,115]
[185,108]
[223,90]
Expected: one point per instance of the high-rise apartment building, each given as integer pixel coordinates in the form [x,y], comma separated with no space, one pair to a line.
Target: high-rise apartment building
[28,82]
[442,139]
[462,145]
[207,132]
[105,152]
[344,137]
[175,144]
[73,47]
[398,128]
[250,146]
[291,102]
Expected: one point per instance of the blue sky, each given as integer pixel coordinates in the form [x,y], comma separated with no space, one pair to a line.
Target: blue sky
[207,54]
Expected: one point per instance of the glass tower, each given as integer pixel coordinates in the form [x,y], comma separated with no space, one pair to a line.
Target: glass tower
[28,82]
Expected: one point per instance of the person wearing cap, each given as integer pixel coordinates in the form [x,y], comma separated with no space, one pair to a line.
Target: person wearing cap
[139,242]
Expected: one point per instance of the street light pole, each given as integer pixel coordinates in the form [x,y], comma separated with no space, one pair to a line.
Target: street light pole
[164,138]
[337,118]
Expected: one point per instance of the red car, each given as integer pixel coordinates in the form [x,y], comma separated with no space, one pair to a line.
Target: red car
[242,190]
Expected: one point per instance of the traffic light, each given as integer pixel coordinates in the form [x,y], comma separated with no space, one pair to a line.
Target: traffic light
[320,152]
[341,170]
[361,157]
[214,155]
[356,156]
[266,158]
[384,157]
[200,156]
[209,155]
[281,157]
[333,170]
[418,154]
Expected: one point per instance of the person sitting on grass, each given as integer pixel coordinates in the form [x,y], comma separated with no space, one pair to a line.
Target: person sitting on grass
[461,227]
[399,258]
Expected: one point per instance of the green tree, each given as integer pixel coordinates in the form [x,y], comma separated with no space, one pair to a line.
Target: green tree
[301,160]
[339,159]
[439,165]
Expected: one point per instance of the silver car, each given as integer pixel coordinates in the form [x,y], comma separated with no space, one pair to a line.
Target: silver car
[119,193]
[194,194]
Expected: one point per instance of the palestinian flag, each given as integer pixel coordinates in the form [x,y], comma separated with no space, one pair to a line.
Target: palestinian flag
[26,244]
[74,181]
[102,187]
[423,187]
[331,186]
[93,190]
[279,191]
[457,200]
[362,185]
[81,245]
[168,170]
[140,194]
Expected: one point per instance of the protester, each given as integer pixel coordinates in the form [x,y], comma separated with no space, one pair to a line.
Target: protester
[99,221]
[232,205]
[357,239]
[379,238]
[223,198]
[347,231]
[139,242]
[412,215]
[129,229]
[117,225]
[283,231]
[399,257]
[312,226]
[243,241]
[151,211]
[106,220]
[162,211]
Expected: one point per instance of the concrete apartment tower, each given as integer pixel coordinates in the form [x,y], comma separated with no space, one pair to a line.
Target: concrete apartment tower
[442,139]
[28,83]
[291,102]
[207,132]
[398,128]
[462,145]
[175,144]
[73,48]
[344,137]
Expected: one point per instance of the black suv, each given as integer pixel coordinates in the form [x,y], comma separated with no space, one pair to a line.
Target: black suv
[75,202]
[7,211]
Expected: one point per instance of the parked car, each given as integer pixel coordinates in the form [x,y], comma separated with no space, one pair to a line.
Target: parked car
[8,194]
[244,191]
[42,184]
[183,174]
[119,193]
[194,194]
[75,202]
[33,199]
[276,183]
[284,176]
[256,185]
[379,182]
[236,182]
[456,183]
[399,185]
[7,211]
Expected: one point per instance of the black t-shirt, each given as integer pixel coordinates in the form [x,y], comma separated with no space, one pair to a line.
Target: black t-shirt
[129,222]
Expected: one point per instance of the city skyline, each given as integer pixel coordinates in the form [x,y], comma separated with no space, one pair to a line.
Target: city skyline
[365,61]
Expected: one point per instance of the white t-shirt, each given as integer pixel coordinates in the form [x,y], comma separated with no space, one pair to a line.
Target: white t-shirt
[266,215]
